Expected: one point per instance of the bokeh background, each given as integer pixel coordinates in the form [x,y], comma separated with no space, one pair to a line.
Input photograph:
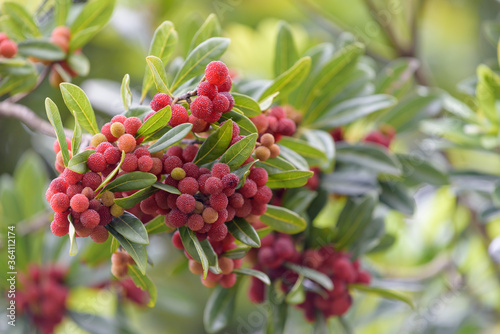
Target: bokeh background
[434,259]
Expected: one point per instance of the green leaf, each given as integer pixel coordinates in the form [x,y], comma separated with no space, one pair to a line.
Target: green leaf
[314,156]
[154,123]
[353,109]
[244,232]
[79,162]
[212,257]
[290,179]
[283,220]
[298,199]
[21,18]
[294,158]
[275,165]
[369,156]
[237,253]
[131,228]
[268,101]
[198,59]
[73,248]
[246,105]
[209,28]
[323,141]
[215,145]
[239,152]
[296,294]
[219,309]
[76,101]
[166,187]
[170,138]
[135,250]
[130,201]
[157,225]
[488,92]
[79,63]
[285,51]
[159,75]
[243,172]
[162,46]
[125,92]
[312,274]
[131,181]
[246,125]
[94,15]
[353,219]
[13,84]
[255,273]
[55,119]
[193,247]
[145,283]
[288,80]
[396,76]
[41,49]
[397,197]
[351,181]
[76,140]
[389,294]
[61,9]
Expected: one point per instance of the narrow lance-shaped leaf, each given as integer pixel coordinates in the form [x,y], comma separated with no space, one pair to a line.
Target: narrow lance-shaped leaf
[20,16]
[219,309]
[193,247]
[131,228]
[41,49]
[290,179]
[246,125]
[145,283]
[79,162]
[159,75]
[76,101]
[209,28]
[215,145]
[111,175]
[76,140]
[283,220]
[312,274]
[389,294]
[244,232]
[162,45]
[246,105]
[135,250]
[171,137]
[254,273]
[131,181]
[55,119]
[73,248]
[239,152]
[130,201]
[154,123]
[125,92]
[157,225]
[61,10]
[285,52]
[167,188]
[198,59]
[369,156]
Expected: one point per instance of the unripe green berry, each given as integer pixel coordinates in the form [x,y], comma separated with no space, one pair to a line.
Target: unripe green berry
[178,173]
[117,129]
[98,139]
[116,210]
[198,208]
[108,198]
[210,216]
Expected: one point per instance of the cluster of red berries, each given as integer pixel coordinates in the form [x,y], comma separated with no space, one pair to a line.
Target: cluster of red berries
[213,100]
[209,198]
[226,278]
[60,36]
[42,296]
[279,248]
[276,122]
[74,193]
[8,48]
[384,136]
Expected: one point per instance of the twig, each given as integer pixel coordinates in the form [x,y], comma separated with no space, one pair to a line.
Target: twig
[185,97]
[30,118]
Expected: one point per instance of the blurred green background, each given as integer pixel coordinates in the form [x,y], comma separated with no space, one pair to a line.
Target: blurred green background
[460,295]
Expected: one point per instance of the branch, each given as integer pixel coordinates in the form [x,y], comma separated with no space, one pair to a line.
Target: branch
[30,118]
[185,97]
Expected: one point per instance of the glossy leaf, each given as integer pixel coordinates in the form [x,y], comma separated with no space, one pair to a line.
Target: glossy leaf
[55,119]
[125,92]
[244,232]
[166,187]
[154,123]
[145,283]
[243,173]
[193,247]
[296,294]
[170,138]
[79,63]
[245,105]
[246,125]
[41,49]
[79,162]
[283,220]
[237,253]
[215,145]
[369,156]
[219,309]
[131,228]
[312,274]
[162,46]
[314,156]
[61,10]
[351,182]
[73,248]
[255,273]
[20,17]
[384,293]
[159,75]
[130,201]
[135,250]
[76,101]
[76,140]
[353,219]
[285,52]
[131,181]
[294,158]
[290,179]
[209,28]
[323,141]
[275,165]
[238,153]
[198,59]
[397,197]
[417,170]
[157,225]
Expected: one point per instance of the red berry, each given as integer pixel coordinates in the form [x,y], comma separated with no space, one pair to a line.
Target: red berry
[145,163]
[8,48]
[185,203]
[96,162]
[363,278]
[220,103]
[58,185]
[129,163]
[230,98]
[106,131]
[177,218]
[189,153]
[149,206]
[218,232]
[263,195]
[207,89]
[179,115]
[344,270]
[191,169]
[213,117]
[176,240]
[218,202]
[230,181]
[100,234]
[58,230]
[268,258]
[132,124]
[59,202]
[220,170]
[90,218]
[195,222]
[104,215]
[216,73]
[74,189]
[160,101]
[228,281]
[112,155]
[174,151]
[102,147]
[79,203]
[170,163]
[236,200]
[259,176]
[286,127]
[199,125]
[249,188]
[284,248]
[202,180]
[257,291]
[277,112]
[188,185]
[226,85]
[126,143]
[201,107]
[213,185]
[119,119]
